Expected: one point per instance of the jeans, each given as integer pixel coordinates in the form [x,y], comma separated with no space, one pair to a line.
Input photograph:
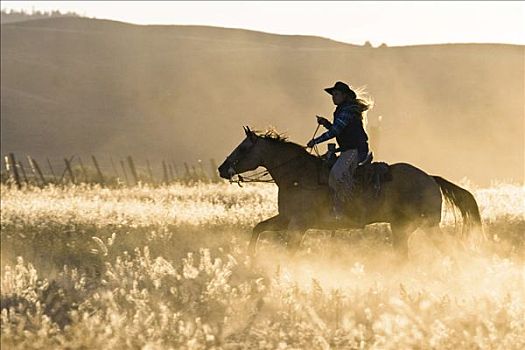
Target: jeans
[341,179]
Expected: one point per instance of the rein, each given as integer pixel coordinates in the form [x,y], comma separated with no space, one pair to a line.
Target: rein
[257,177]
[313,137]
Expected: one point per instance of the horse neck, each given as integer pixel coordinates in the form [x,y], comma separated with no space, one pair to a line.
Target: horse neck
[287,164]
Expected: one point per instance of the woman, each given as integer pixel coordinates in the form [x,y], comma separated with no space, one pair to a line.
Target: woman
[351,137]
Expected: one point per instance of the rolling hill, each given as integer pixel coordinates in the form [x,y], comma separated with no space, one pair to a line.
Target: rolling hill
[86,86]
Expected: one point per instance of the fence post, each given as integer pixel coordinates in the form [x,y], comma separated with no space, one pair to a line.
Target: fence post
[114,167]
[10,162]
[21,166]
[187,175]
[39,172]
[69,170]
[164,173]
[133,170]
[150,173]
[195,175]
[99,172]
[33,169]
[6,167]
[124,171]
[175,171]
[52,171]
[84,173]
[214,170]
[202,171]
[172,173]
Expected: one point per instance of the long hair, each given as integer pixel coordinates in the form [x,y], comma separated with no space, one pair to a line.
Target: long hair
[362,103]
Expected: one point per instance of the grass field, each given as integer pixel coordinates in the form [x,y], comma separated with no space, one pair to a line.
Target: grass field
[166,268]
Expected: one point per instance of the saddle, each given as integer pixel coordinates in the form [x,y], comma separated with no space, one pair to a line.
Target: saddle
[370,175]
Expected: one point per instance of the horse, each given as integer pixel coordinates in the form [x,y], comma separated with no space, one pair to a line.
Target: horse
[411,200]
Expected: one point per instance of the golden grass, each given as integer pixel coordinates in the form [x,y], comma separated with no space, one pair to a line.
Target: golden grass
[161,268]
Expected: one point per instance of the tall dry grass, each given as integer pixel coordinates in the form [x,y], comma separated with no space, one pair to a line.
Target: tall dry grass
[161,268]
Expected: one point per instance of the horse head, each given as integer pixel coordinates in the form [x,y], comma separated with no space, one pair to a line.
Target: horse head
[245,157]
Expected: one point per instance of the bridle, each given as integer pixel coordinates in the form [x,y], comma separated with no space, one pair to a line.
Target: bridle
[258,176]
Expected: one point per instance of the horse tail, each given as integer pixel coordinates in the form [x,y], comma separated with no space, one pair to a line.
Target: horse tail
[463,200]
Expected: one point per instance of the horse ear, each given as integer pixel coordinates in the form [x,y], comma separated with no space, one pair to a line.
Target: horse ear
[250,134]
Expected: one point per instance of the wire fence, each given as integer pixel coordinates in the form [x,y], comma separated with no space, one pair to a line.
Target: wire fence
[114,171]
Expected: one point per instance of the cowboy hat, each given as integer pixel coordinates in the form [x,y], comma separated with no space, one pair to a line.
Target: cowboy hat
[344,88]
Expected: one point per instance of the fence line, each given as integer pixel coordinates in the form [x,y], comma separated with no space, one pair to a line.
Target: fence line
[10,165]
[132,173]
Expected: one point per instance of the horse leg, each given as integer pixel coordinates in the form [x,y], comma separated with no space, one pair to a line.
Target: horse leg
[296,229]
[400,232]
[275,223]
[447,246]
[437,237]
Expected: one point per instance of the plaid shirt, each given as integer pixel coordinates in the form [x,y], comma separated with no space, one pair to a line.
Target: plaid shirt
[342,117]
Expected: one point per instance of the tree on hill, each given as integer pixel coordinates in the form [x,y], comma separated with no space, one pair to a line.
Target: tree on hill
[10,16]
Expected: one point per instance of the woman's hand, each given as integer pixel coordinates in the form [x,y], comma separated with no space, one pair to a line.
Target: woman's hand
[323,121]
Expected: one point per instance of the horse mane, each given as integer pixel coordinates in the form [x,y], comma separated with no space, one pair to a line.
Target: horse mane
[276,137]
[273,135]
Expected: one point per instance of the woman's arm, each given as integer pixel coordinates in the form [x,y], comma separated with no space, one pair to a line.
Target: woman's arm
[340,122]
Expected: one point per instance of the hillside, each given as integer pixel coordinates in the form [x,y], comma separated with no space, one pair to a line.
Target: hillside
[84,86]
[10,16]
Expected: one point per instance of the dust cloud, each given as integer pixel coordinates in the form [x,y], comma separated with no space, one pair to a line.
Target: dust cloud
[83,86]
[168,266]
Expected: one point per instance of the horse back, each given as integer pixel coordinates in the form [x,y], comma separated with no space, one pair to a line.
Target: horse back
[411,184]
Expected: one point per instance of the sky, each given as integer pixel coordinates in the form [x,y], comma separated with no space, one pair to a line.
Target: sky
[390,22]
